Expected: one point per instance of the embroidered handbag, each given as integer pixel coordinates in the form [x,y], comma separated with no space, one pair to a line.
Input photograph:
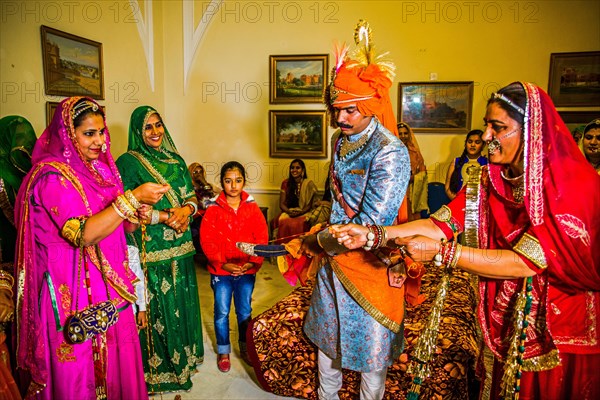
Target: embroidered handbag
[94,319]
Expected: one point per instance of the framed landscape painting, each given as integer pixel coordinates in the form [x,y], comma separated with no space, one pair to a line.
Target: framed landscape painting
[297,78]
[297,134]
[574,79]
[72,64]
[436,107]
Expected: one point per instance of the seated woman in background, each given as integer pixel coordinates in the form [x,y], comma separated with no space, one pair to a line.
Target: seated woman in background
[416,196]
[458,170]
[590,143]
[322,210]
[204,192]
[298,196]
[577,132]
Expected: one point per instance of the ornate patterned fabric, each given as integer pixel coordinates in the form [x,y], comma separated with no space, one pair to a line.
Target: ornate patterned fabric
[175,346]
[285,361]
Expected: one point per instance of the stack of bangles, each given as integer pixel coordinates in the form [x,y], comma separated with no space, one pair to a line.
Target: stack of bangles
[6,281]
[448,255]
[126,205]
[376,237]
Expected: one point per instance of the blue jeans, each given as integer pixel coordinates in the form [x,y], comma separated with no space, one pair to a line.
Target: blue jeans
[224,287]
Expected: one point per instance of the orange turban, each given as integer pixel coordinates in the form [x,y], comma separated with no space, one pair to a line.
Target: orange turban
[365,84]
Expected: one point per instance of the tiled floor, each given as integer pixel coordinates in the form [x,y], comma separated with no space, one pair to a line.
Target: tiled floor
[240,382]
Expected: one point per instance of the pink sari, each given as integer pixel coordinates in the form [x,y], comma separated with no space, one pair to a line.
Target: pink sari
[60,186]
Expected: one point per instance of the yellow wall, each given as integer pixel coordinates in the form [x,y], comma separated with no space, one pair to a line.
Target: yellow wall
[126,79]
[222,112]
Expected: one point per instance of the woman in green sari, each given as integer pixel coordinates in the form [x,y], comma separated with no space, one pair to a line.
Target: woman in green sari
[16,143]
[172,342]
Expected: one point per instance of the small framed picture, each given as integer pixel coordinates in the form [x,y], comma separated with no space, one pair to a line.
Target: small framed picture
[436,107]
[72,64]
[51,107]
[577,120]
[298,134]
[575,79]
[297,78]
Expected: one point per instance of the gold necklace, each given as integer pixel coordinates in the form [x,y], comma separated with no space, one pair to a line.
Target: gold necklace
[515,179]
[517,186]
[347,147]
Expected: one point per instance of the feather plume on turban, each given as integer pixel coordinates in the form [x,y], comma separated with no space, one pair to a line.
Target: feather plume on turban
[363,78]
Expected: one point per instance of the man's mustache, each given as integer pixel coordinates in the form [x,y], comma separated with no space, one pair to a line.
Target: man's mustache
[343,125]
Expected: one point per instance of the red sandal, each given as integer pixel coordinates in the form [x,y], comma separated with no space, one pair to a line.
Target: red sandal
[223,362]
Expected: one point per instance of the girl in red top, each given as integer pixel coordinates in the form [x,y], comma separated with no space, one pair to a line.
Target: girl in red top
[233,217]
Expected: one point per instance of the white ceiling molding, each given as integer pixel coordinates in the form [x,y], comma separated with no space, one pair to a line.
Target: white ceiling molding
[145,26]
[192,35]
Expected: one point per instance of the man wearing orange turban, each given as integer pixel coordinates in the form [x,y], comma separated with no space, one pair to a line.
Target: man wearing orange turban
[355,317]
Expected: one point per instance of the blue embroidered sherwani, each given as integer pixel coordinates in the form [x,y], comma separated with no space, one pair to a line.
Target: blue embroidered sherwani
[373,180]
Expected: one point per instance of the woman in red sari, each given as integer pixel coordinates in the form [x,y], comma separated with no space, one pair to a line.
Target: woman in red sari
[533,238]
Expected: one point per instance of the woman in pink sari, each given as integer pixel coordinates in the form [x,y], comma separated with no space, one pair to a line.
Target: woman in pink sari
[533,238]
[71,253]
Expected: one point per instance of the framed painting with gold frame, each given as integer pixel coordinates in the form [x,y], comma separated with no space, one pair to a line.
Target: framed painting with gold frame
[297,134]
[297,78]
[72,64]
[574,79]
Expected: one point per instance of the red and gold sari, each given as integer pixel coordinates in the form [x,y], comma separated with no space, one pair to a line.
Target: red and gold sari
[554,230]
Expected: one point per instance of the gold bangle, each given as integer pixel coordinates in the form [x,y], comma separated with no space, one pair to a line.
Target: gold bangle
[7,276]
[132,199]
[72,230]
[5,285]
[124,205]
[116,208]
[125,209]
[9,290]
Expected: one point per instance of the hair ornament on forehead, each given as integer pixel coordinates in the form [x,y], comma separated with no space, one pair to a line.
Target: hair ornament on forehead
[594,124]
[500,96]
[83,106]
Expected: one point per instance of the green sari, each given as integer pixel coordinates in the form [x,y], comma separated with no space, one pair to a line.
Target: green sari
[174,348]
[17,138]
